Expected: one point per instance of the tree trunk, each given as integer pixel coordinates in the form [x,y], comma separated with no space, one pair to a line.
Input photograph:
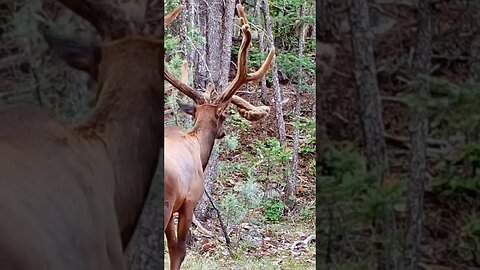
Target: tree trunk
[145,251]
[276,85]
[371,117]
[323,35]
[183,30]
[201,70]
[418,137]
[368,92]
[324,21]
[292,183]
[278,100]
[261,37]
[218,30]
[146,248]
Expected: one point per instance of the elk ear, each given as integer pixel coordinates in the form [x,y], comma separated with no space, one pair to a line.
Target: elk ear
[78,55]
[188,108]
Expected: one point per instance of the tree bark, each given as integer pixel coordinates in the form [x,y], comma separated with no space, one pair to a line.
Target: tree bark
[218,30]
[201,69]
[323,34]
[324,31]
[418,137]
[261,36]
[367,86]
[146,249]
[183,19]
[292,183]
[210,177]
[371,117]
[278,100]
[276,85]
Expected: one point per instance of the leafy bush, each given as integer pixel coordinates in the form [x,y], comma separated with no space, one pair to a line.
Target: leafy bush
[238,122]
[307,213]
[272,209]
[268,163]
[249,194]
[273,149]
[235,208]
[307,130]
[230,143]
[232,210]
[350,200]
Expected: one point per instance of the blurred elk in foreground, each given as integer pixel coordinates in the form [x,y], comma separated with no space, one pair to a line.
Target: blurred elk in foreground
[187,153]
[71,195]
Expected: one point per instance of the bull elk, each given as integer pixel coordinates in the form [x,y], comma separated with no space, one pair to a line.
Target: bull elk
[71,195]
[187,153]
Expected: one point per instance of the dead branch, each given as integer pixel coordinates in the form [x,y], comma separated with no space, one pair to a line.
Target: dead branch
[222,225]
[394,99]
[200,228]
[304,242]
[431,141]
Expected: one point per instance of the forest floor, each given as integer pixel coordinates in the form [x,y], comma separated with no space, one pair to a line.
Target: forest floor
[257,243]
[275,251]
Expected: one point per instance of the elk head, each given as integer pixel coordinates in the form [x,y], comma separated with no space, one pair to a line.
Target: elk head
[127,65]
[125,44]
[210,110]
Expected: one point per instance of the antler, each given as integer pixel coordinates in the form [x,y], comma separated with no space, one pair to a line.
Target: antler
[110,21]
[248,111]
[197,97]
[184,78]
[245,109]
[172,16]
[242,76]
[183,87]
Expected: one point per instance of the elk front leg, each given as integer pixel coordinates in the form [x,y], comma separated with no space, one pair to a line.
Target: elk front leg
[185,217]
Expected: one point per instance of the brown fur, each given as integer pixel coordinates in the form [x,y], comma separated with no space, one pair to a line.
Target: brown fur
[70,196]
[186,157]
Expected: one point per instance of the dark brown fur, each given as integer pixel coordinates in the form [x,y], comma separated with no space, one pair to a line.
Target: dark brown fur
[70,196]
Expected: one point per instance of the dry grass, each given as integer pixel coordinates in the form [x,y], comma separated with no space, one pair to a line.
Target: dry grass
[274,253]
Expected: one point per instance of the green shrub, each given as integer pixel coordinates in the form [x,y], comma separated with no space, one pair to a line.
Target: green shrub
[272,209]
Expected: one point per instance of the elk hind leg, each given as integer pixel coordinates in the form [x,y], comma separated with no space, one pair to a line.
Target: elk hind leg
[185,217]
[171,241]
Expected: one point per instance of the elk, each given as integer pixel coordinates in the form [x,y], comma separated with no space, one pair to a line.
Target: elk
[187,153]
[71,195]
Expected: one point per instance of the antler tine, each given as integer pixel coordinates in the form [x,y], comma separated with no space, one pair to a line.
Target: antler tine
[150,22]
[184,78]
[249,111]
[262,71]
[208,92]
[242,76]
[242,14]
[110,21]
[172,16]
[182,87]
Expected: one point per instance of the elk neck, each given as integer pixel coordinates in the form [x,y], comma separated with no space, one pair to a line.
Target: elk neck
[205,132]
[127,119]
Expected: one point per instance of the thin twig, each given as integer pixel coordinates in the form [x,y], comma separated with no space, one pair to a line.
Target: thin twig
[224,228]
